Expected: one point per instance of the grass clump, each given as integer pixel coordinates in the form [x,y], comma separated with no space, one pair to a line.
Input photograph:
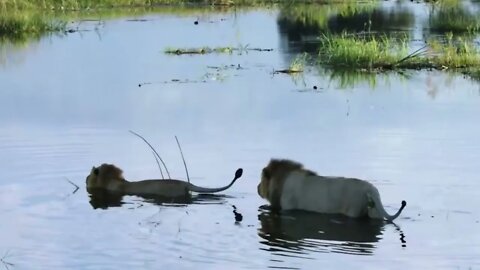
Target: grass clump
[98,4]
[361,52]
[17,25]
[387,53]
[296,66]
[454,54]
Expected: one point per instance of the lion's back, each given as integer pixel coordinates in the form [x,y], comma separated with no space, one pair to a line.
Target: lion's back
[325,194]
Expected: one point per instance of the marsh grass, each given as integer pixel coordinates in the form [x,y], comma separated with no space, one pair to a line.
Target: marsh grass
[361,52]
[18,25]
[97,4]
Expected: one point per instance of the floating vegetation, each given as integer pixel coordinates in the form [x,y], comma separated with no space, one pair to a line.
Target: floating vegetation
[208,50]
[384,53]
[297,65]
[203,50]
[172,81]
[213,74]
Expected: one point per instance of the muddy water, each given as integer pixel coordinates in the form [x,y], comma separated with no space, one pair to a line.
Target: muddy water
[67,103]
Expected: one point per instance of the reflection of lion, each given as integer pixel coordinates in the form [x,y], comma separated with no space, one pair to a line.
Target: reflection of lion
[296,230]
[288,186]
[110,178]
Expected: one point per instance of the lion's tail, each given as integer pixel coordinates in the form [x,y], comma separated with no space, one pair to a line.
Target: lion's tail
[379,206]
[198,189]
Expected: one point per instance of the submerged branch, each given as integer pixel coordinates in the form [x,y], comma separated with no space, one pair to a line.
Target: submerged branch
[73,184]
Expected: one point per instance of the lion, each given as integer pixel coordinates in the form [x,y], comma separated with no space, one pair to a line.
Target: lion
[110,178]
[287,185]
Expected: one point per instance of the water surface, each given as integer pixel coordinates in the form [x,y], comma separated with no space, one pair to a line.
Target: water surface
[67,103]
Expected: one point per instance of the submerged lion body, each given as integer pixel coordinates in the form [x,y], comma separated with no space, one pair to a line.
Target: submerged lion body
[288,186]
[110,178]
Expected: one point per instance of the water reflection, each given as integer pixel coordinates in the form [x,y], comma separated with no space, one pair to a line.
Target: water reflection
[304,23]
[379,20]
[457,19]
[298,232]
[101,199]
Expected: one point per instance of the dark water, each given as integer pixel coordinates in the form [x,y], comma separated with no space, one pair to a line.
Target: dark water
[67,103]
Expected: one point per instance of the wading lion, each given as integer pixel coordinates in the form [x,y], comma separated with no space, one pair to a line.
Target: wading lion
[286,185]
[110,178]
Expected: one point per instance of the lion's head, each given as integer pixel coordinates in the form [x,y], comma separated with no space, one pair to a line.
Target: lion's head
[273,176]
[106,176]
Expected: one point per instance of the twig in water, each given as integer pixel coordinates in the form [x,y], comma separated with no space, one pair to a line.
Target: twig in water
[413,55]
[76,187]
[155,151]
[184,163]
[158,164]
[5,263]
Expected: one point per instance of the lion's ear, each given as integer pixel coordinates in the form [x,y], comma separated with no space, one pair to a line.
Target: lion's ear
[95,171]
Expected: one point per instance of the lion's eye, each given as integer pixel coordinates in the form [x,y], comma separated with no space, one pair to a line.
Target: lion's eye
[266,173]
[96,171]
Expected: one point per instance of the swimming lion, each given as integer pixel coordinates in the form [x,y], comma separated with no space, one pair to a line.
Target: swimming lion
[110,178]
[288,186]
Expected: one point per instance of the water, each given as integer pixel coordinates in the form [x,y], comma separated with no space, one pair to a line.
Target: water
[67,104]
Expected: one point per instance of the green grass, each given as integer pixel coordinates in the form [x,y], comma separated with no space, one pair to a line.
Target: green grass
[96,4]
[349,51]
[298,63]
[361,52]
[20,19]
[19,25]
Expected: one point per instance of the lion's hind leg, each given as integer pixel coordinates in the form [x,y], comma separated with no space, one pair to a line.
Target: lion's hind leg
[372,210]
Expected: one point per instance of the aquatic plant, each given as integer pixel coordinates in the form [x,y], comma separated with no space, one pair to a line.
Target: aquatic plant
[96,4]
[16,25]
[370,52]
[298,63]
[23,24]
[361,51]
